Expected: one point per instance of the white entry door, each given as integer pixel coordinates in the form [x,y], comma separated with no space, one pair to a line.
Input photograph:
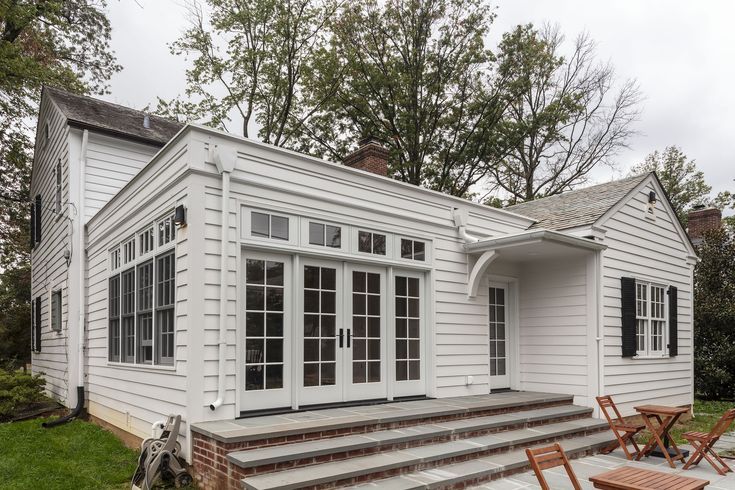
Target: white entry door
[409,334]
[498,336]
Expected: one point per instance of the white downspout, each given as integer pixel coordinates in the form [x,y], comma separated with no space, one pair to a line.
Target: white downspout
[600,325]
[82,256]
[225,159]
[460,221]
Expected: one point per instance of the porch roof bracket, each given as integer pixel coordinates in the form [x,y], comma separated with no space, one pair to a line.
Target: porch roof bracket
[479,269]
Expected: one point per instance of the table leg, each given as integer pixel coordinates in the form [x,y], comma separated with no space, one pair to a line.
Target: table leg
[649,445]
[668,440]
[663,430]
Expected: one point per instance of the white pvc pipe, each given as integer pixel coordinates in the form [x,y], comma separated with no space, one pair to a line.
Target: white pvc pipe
[82,257]
[156,426]
[223,291]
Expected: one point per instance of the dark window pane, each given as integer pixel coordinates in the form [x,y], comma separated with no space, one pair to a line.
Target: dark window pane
[358,372]
[311,301]
[274,377]
[413,307]
[274,324]
[254,297]
[401,307]
[316,234]
[363,241]
[254,351]
[254,378]
[413,287]
[401,288]
[275,273]
[254,324]
[254,273]
[311,350]
[328,371]
[274,350]
[401,349]
[329,279]
[413,349]
[274,299]
[311,277]
[379,244]
[401,370]
[358,326]
[259,225]
[279,227]
[374,349]
[358,282]
[328,349]
[400,328]
[311,374]
[328,301]
[334,236]
[358,304]
[374,372]
[501,296]
[373,285]
[418,251]
[414,369]
[311,325]
[413,328]
[374,327]
[406,248]
[373,305]
[359,350]
[328,326]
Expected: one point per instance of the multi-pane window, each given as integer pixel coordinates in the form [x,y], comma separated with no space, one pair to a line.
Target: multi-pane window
[264,311]
[498,339]
[365,327]
[650,309]
[408,331]
[413,249]
[320,317]
[56,311]
[371,243]
[268,226]
[142,297]
[57,195]
[325,235]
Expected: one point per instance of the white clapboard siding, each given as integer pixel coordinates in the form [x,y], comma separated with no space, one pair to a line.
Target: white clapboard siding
[132,397]
[654,250]
[110,164]
[48,265]
[553,331]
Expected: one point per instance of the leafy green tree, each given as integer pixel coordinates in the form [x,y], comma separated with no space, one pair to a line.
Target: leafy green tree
[417,75]
[251,58]
[714,316]
[64,43]
[565,116]
[682,181]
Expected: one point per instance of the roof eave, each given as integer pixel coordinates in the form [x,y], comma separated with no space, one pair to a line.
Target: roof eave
[531,237]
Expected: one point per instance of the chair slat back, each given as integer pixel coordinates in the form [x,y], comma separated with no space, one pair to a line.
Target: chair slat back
[606,403]
[550,457]
[722,425]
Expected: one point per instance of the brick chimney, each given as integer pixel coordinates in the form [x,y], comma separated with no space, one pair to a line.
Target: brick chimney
[702,220]
[370,156]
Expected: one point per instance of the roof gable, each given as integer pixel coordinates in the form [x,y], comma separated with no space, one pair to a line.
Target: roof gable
[112,119]
[576,208]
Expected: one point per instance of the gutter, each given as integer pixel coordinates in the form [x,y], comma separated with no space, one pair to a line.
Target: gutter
[533,236]
[224,159]
[82,262]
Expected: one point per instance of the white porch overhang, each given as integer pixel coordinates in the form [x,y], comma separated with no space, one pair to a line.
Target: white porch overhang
[524,246]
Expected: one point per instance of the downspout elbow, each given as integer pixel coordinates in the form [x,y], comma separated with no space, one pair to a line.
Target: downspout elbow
[462,230]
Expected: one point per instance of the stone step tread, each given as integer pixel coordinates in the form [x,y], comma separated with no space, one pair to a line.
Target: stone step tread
[447,475]
[288,452]
[375,463]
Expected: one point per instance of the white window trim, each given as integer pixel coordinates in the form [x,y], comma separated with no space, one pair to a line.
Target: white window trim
[647,353]
[156,252]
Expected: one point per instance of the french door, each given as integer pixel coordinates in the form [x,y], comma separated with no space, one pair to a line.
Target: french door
[498,336]
[342,320]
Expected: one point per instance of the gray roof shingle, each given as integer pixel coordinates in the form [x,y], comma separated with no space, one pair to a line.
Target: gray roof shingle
[113,119]
[576,208]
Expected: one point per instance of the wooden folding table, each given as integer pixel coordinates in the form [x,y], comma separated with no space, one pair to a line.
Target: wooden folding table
[628,478]
[665,417]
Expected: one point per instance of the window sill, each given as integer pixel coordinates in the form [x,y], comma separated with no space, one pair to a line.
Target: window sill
[649,357]
[142,367]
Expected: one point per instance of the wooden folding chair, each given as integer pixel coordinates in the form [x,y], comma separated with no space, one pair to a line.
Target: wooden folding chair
[703,442]
[623,431]
[550,457]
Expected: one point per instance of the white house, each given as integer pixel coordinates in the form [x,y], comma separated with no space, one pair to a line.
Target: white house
[181,269]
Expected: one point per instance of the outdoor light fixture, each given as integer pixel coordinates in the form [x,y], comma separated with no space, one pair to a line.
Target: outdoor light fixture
[180,216]
[652,197]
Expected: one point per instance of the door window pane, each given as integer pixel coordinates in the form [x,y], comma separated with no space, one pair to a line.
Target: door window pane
[319,322]
[366,341]
[264,311]
[408,340]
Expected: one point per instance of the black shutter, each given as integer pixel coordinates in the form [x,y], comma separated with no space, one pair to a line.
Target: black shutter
[38,218]
[673,321]
[37,326]
[627,315]
[33,225]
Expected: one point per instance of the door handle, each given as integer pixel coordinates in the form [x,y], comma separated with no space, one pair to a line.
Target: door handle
[341,337]
[349,335]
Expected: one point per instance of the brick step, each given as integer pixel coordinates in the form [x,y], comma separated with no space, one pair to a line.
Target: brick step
[484,469]
[343,447]
[364,468]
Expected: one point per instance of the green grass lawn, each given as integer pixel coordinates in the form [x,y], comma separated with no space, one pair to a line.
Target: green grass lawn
[706,415]
[78,455]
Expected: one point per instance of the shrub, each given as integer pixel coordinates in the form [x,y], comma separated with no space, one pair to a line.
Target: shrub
[18,391]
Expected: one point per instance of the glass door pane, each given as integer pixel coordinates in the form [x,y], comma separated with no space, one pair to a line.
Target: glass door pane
[320,320]
[366,320]
[498,337]
[408,328]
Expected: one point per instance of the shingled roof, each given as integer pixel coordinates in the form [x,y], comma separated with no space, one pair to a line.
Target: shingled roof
[580,207]
[89,113]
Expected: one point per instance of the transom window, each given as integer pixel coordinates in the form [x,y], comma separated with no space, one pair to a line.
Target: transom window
[650,301]
[142,297]
[413,249]
[325,235]
[371,243]
[268,226]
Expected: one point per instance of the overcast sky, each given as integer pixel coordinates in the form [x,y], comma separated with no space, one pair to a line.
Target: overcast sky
[681,52]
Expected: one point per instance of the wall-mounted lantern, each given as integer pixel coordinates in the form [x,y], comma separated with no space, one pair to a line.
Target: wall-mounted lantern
[180,216]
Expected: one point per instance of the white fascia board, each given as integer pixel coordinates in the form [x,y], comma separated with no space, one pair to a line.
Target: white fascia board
[533,236]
